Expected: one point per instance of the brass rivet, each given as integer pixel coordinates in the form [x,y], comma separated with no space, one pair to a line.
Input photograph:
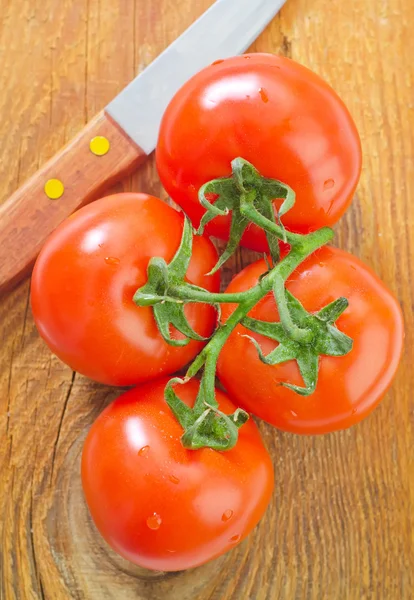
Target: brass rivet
[54,189]
[99,145]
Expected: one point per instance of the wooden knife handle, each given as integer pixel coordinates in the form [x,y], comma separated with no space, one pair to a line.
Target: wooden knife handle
[30,215]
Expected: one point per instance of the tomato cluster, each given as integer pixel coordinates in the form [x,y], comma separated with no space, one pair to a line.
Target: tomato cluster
[124,295]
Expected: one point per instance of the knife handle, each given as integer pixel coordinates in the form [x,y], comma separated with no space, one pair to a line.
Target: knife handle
[30,215]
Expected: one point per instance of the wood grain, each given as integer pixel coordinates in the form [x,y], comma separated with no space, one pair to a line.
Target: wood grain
[340,526]
[29,216]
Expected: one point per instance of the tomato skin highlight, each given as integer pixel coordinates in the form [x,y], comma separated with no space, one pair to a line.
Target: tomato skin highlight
[277,115]
[349,387]
[160,505]
[85,278]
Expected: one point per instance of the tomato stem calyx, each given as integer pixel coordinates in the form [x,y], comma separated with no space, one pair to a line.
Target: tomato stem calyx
[205,426]
[249,197]
[169,311]
[324,338]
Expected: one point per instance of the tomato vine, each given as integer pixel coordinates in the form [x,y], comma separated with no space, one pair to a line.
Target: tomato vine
[302,336]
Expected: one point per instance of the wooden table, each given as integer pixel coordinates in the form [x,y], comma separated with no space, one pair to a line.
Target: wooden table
[340,526]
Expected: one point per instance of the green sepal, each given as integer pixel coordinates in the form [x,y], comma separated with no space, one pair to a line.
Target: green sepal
[161,276]
[170,313]
[228,201]
[248,197]
[182,412]
[279,355]
[326,339]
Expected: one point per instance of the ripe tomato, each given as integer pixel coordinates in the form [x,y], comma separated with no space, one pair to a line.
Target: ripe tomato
[86,276]
[159,505]
[349,387]
[274,113]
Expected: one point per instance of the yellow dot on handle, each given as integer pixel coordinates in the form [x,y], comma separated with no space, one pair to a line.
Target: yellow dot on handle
[99,145]
[54,189]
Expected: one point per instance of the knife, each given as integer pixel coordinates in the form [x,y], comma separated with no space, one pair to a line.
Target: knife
[120,137]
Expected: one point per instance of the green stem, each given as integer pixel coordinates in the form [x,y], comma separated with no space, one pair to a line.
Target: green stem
[208,381]
[247,300]
[190,294]
[295,332]
[249,211]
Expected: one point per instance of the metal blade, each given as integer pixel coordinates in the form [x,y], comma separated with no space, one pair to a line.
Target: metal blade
[226,29]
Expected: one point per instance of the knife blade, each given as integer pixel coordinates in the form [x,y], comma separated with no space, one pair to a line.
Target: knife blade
[119,138]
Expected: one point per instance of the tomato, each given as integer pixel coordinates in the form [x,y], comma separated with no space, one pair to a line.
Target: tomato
[349,387]
[85,278]
[277,115]
[159,505]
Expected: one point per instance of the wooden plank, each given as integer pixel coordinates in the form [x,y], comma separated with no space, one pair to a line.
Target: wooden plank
[341,522]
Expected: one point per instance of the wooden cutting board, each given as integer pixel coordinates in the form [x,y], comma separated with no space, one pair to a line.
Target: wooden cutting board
[340,526]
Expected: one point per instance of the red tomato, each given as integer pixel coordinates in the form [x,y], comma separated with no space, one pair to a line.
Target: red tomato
[349,387]
[159,505]
[86,276]
[274,113]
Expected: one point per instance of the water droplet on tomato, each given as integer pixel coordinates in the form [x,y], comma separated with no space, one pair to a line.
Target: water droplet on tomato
[354,410]
[154,522]
[174,479]
[247,57]
[143,450]
[111,260]
[328,184]
[292,412]
[227,515]
[217,62]
[235,538]
[263,95]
